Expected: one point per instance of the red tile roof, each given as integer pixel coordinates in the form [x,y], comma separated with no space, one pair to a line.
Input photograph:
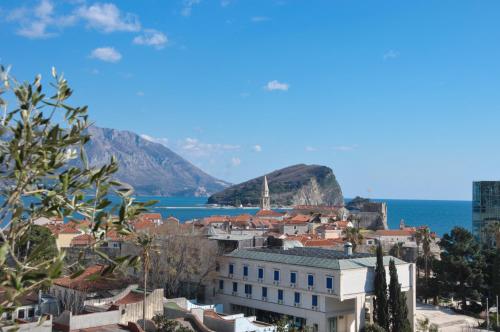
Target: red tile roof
[269,213]
[322,242]
[131,297]
[299,218]
[57,229]
[241,218]
[82,240]
[92,280]
[215,219]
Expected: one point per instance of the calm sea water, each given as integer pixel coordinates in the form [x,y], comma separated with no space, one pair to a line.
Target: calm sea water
[440,216]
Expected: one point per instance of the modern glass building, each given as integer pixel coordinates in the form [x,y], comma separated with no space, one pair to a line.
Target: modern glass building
[485,210]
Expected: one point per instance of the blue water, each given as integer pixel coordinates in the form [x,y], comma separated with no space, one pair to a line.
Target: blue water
[440,216]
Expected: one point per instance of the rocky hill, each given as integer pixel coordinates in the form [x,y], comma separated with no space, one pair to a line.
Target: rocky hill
[295,185]
[151,168]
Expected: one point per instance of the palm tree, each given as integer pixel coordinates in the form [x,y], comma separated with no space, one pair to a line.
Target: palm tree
[146,245]
[397,250]
[354,236]
[418,240]
[426,247]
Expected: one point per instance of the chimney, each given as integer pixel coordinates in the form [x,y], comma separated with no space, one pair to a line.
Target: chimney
[348,249]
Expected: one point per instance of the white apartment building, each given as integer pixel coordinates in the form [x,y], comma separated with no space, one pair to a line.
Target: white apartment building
[325,289]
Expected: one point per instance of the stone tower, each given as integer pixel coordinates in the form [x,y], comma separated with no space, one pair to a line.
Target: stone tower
[265,199]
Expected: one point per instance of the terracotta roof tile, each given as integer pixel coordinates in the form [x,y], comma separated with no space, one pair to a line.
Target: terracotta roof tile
[131,297]
[269,213]
[82,240]
[92,280]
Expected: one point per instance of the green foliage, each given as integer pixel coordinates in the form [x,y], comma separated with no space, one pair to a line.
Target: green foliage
[354,236]
[374,328]
[45,173]
[424,325]
[397,303]
[460,272]
[397,250]
[381,303]
[168,325]
[38,243]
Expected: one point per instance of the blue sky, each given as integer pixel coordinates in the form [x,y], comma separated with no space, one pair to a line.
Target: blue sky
[399,98]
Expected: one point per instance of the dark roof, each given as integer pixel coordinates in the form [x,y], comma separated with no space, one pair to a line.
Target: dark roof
[313,252]
[312,257]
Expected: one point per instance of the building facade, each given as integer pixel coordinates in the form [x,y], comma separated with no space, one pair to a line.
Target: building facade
[323,289]
[485,210]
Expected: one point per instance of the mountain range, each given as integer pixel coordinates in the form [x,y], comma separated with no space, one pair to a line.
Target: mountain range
[151,168]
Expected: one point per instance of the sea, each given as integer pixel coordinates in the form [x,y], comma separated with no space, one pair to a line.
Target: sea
[441,216]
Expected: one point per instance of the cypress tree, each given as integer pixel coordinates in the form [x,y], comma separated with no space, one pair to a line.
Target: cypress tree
[397,303]
[381,305]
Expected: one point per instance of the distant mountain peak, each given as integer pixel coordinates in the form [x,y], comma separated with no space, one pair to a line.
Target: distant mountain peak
[149,166]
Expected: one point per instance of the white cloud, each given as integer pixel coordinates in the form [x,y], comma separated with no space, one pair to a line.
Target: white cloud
[39,21]
[196,148]
[187,7]
[140,93]
[151,37]
[107,17]
[310,149]
[345,148]
[161,140]
[258,19]
[235,161]
[275,85]
[108,54]
[257,148]
[391,54]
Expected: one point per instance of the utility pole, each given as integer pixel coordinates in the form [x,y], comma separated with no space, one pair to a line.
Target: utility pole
[497,313]
[487,316]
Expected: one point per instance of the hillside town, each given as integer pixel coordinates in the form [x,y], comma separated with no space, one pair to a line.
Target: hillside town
[311,267]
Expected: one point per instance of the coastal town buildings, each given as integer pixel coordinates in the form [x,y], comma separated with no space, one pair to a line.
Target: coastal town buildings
[324,289]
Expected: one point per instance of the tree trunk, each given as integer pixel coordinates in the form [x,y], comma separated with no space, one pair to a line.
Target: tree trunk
[145,294]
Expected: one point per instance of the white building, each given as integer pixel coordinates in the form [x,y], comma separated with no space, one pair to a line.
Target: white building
[325,289]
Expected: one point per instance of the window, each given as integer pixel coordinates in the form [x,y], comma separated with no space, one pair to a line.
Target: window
[276,275]
[235,287]
[31,312]
[221,284]
[310,280]
[314,300]
[264,291]
[20,314]
[248,289]
[231,268]
[296,297]
[329,282]
[261,273]
[293,277]
[280,295]
[245,271]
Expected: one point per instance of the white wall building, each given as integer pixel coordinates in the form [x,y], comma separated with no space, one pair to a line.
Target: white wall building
[325,289]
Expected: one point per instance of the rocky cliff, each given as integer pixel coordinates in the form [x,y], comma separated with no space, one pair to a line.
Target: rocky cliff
[151,168]
[295,185]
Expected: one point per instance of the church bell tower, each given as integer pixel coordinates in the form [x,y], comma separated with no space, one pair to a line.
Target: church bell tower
[265,199]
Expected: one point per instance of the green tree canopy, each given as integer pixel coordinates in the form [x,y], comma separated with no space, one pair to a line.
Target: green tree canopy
[460,271]
[397,303]
[381,303]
